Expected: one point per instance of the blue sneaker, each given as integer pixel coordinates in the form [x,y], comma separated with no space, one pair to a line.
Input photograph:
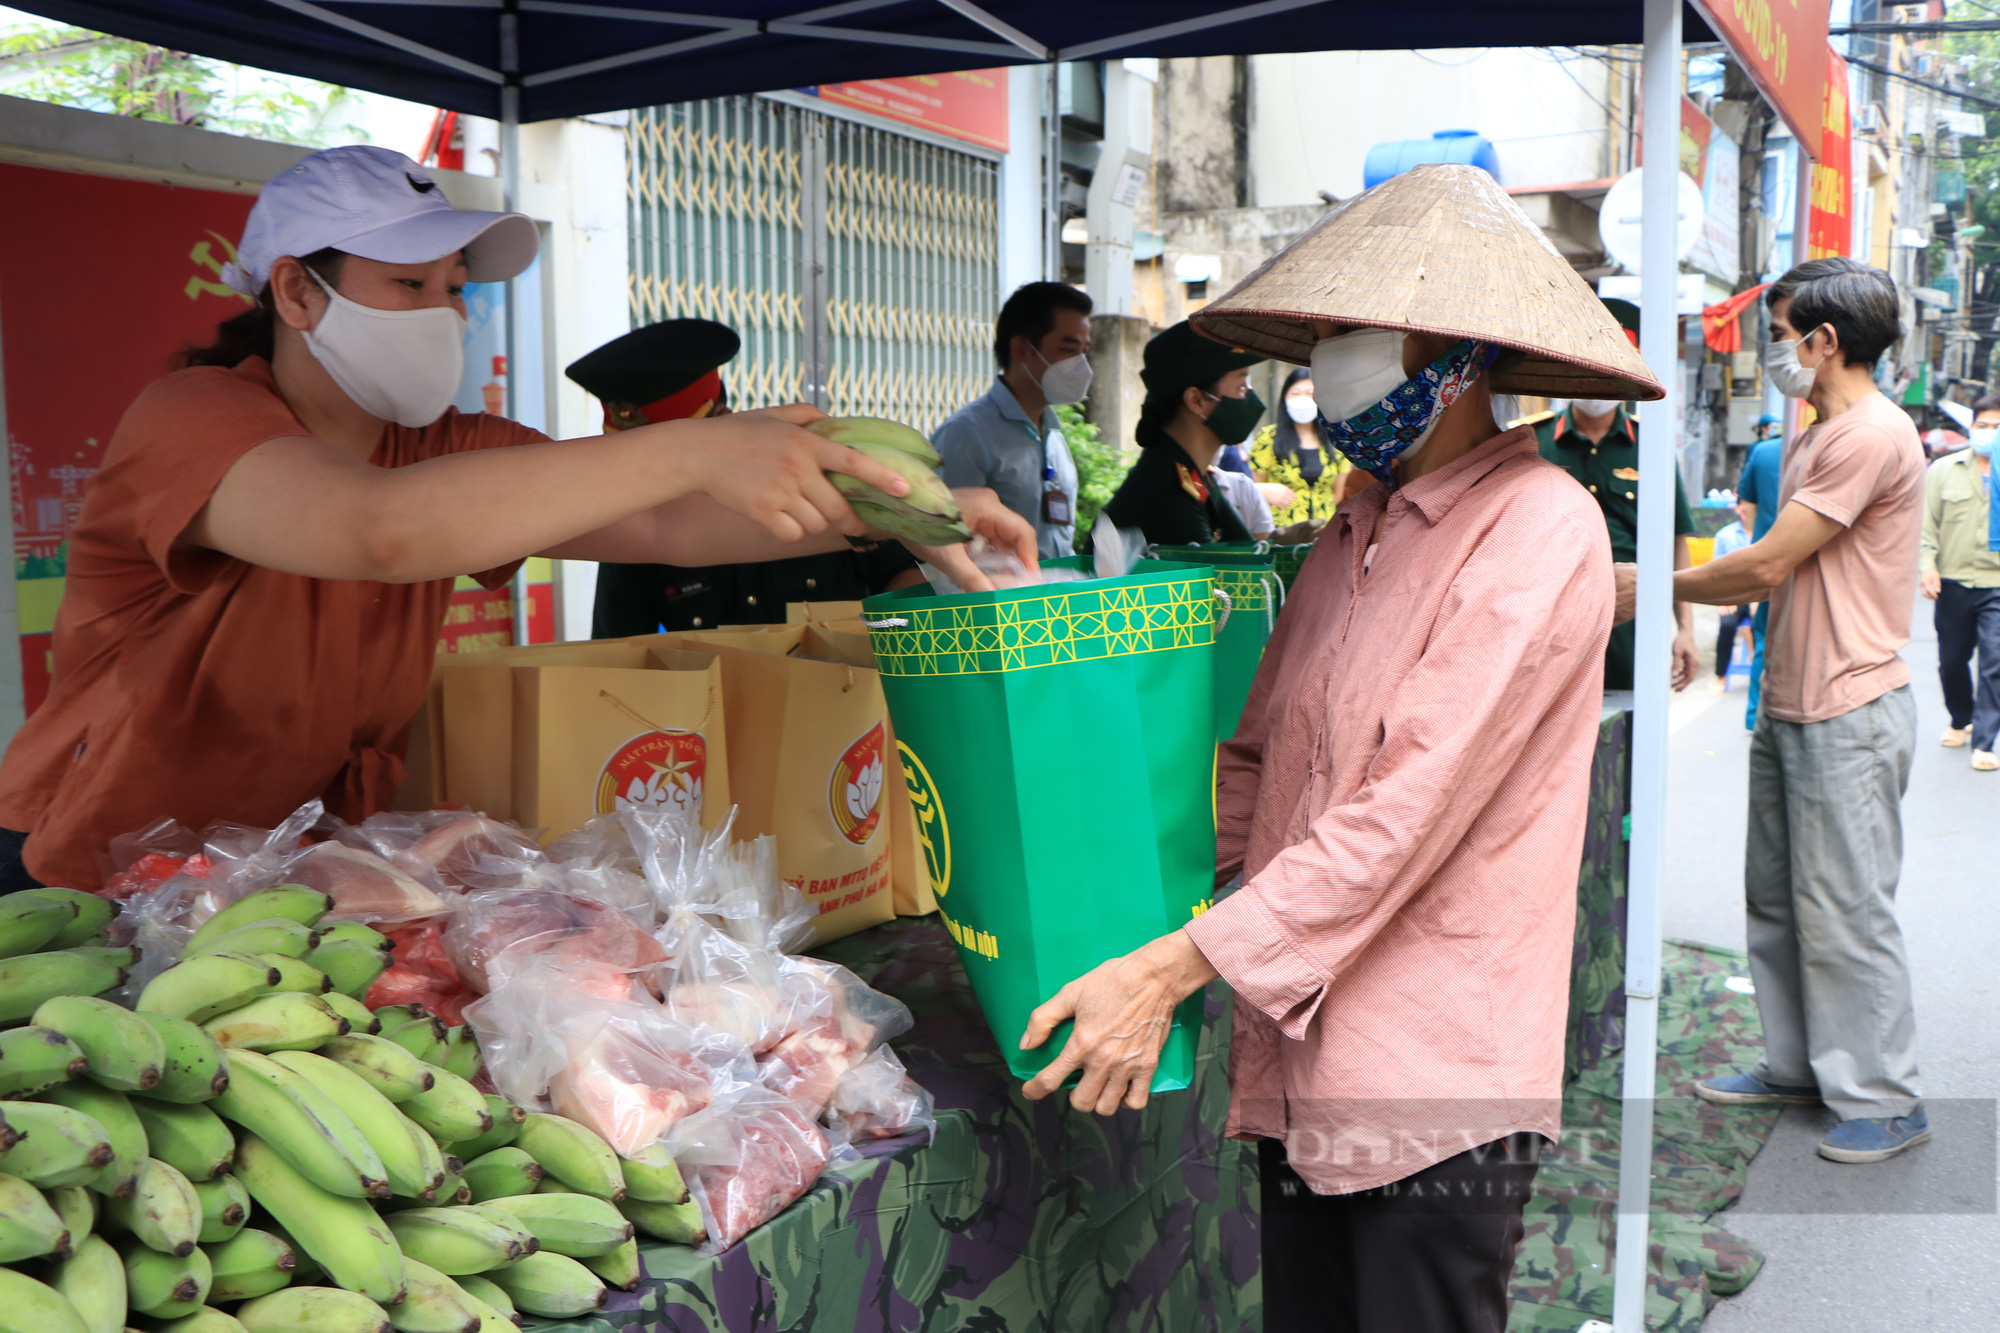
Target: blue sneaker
[1875,1140]
[1749,1090]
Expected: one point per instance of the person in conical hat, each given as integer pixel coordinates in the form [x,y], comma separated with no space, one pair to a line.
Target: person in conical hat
[1405,797]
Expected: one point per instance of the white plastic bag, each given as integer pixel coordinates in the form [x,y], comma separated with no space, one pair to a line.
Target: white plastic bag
[441,848]
[579,1042]
[238,862]
[837,1022]
[363,885]
[877,1099]
[537,922]
[746,1159]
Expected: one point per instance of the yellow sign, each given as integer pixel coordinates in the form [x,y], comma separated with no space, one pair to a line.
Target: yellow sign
[932,831]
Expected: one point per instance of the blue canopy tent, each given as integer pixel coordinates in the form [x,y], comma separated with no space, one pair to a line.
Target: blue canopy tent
[515,60]
[562,58]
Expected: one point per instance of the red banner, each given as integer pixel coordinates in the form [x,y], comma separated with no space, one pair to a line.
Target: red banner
[1696,132]
[1829,219]
[102,280]
[1778,43]
[969,105]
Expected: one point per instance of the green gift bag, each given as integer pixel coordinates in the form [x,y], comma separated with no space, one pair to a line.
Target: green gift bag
[1244,572]
[1059,753]
[1286,561]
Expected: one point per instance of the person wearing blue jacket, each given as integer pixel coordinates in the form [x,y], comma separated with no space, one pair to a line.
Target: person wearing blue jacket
[1757,502]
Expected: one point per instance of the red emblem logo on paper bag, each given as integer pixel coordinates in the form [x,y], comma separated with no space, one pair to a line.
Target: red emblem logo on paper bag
[655,770]
[854,792]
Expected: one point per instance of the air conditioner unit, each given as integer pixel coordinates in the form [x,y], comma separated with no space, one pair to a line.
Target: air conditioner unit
[1867,119]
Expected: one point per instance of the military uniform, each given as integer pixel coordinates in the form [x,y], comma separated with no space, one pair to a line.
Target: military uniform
[643,599]
[1609,470]
[1174,502]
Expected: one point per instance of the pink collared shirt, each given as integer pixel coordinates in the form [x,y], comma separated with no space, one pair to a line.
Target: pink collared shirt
[1406,797]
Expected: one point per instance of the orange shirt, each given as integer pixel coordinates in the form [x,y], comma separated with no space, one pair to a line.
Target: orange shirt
[1406,796]
[192,685]
[1839,621]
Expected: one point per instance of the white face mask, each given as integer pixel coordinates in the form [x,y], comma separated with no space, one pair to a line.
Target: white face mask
[1595,407]
[1982,439]
[1301,409]
[1064,381]
[1351,372]
[1781,363]
[401,365]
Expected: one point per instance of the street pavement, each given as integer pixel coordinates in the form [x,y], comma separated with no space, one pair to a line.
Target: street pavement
[1913,1243]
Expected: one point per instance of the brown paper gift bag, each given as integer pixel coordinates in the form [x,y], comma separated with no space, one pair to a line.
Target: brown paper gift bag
[809,750]
[819,613]
[910,878]
[551,737]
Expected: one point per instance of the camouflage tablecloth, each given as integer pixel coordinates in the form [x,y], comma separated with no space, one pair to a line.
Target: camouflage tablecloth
[1701,1154]
[1597,960]
[1027,1216]
[1020,1215]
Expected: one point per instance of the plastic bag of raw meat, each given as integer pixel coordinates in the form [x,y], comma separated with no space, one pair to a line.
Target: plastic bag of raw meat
[538,922]
[877,1099]
[746,1159]
[561,1036]
[594,861]
[135,863]
[735,884]
[421,972]
[840,1020]
[711,980]
[440,848]
[755,905]
[363,885]
[235,861]
[679,859]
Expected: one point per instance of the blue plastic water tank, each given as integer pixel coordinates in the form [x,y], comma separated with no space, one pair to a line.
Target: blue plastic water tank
[1466,147]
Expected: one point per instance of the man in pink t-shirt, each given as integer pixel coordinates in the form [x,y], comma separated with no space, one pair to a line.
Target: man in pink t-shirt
[1831,755]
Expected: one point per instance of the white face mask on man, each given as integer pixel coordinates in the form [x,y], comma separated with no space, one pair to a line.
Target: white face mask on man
[400,365]
[1064,381]
[1781,363]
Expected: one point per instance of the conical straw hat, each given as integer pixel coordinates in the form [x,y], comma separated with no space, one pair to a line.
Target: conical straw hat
[1439,249]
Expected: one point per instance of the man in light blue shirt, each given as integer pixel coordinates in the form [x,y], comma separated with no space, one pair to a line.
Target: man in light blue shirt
[1009,440]
[1729,540]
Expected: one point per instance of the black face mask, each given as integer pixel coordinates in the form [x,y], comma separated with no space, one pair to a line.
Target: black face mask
[1234,418]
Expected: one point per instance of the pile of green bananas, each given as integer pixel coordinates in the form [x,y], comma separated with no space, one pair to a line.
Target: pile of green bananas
[927,515]
[252,1150]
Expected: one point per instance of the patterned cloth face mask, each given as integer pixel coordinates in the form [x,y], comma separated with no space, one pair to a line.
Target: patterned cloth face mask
[1399,423]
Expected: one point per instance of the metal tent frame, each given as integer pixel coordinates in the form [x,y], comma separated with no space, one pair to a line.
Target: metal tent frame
[551,58]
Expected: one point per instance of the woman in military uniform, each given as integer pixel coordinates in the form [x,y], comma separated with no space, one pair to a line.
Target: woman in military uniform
[1198,401]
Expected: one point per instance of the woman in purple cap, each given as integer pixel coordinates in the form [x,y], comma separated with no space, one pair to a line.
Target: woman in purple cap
[260,572]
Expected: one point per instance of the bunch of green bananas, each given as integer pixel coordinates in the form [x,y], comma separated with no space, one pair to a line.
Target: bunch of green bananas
[927,515]
[253,1150]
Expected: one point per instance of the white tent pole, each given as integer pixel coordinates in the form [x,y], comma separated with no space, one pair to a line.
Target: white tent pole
[1659,336]
[510,199]
[1052,219]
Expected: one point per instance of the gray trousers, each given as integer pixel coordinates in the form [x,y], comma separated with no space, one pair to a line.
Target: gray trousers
[1819,884]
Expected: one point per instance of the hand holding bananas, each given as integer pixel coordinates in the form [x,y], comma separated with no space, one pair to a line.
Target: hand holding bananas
[932,519]
[854,475]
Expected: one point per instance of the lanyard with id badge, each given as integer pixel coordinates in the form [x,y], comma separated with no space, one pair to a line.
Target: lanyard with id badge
[1056,508]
